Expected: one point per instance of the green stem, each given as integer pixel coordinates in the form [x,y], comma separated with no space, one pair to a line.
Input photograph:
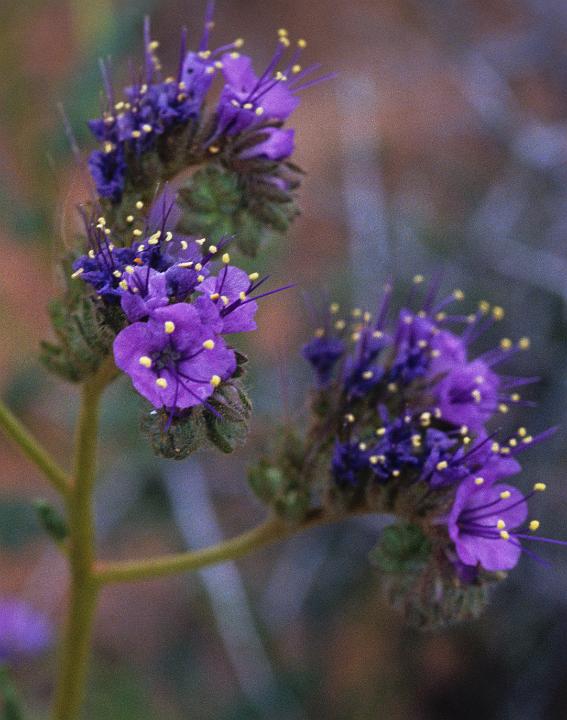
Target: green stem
[31,448]
[75,649]
[268,532]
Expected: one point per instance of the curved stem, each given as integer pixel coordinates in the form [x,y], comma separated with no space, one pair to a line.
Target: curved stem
[31,448]
[270,531]
[75,649]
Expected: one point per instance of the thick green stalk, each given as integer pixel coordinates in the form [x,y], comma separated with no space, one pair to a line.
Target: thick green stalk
[31,448]
[75,649]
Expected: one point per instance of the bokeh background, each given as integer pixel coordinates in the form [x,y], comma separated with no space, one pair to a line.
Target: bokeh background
[441,144]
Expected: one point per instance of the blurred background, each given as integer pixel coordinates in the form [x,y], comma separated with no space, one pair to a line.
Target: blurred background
[442,144]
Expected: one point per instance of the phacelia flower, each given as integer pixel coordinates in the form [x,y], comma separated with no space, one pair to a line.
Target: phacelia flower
[24,632]
[172,359]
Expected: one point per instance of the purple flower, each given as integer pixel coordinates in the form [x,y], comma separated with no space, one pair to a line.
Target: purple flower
[323,353]
[229,292]
[145,290]
[469,394]
[24,632]
[248,99]
[172,359]
[108,171]
[278,145]
[481,522]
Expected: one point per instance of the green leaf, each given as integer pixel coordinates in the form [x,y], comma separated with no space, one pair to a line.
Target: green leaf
[228,428]
[51,520]
[175,438]
[402,548]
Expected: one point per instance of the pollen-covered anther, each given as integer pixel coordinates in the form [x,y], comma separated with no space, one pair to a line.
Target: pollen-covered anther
[225,300]
[123,285]
[484,307]
[334,308]
[117,273]
[367,375]
[184,265]
[184,245]
[215,380]
[443,465]
[373,459]
[242,296]
[226,258]
[350,418]
[198,267]
[380,431]
[253,276]
[498,312]
[214,296]
[319,332]
[476,396]
[169,326]
[418,279]
[458,294]
[528,439]
[137,232]
[377,334]
[209,344]
[168,236]
[362,446]
[161,383]
[416,441]
[214,149]
[534,525]
[154,239]
[500,524]
[392,387]
[340,325]
[540,487]
[524,343]
[355,337]
[259,110]
[503,408]
[145,361]
[506,343]
[213,249]
[505,494]
[479,481]
[504,534]
[515,397]
[77,273]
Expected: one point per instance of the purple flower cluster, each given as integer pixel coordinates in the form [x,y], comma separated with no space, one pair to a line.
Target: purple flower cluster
[180,297]
[155,107]
[414,406]
[24,632]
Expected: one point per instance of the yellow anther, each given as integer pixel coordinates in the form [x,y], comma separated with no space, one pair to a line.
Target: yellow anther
[495,447]
[505,494]
[145,361]
[238,43]
[302,43]
[200,278]
[500,524]
[214,296]
[123,285]
[168,236]
[528,439]
[198,267]
[497,312]
[215,380]
[515,397]
[214,149]
[522,432]
[209,344]
[184,245]
[524,343]
[340,325]
[91,254]
[225,300]
[540,487]
[505,343]
[187,264]
[153,45]
[136,134]
[213,249]
[355,337]
[503,408]
[226,258]
[356,312]
[242,296]
[248,106]
[443,465]
[441,316]
[117,273]
[161,383]
[479,481]
[458,294]
[129,218]
[349,417]
[380,431]
[253,276]
[147,128]
[484,307]
[392,387]
[534,525]
[259,110]
[373,459]
[512,442]
[169,326]
[129,269]
[504,534]
[416,441]
[296,69]
[464,429]
[319,332]
[476,396]
[377,334]
[362,446]
[334,308]
[137,232]
[367,375]
[77,273]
